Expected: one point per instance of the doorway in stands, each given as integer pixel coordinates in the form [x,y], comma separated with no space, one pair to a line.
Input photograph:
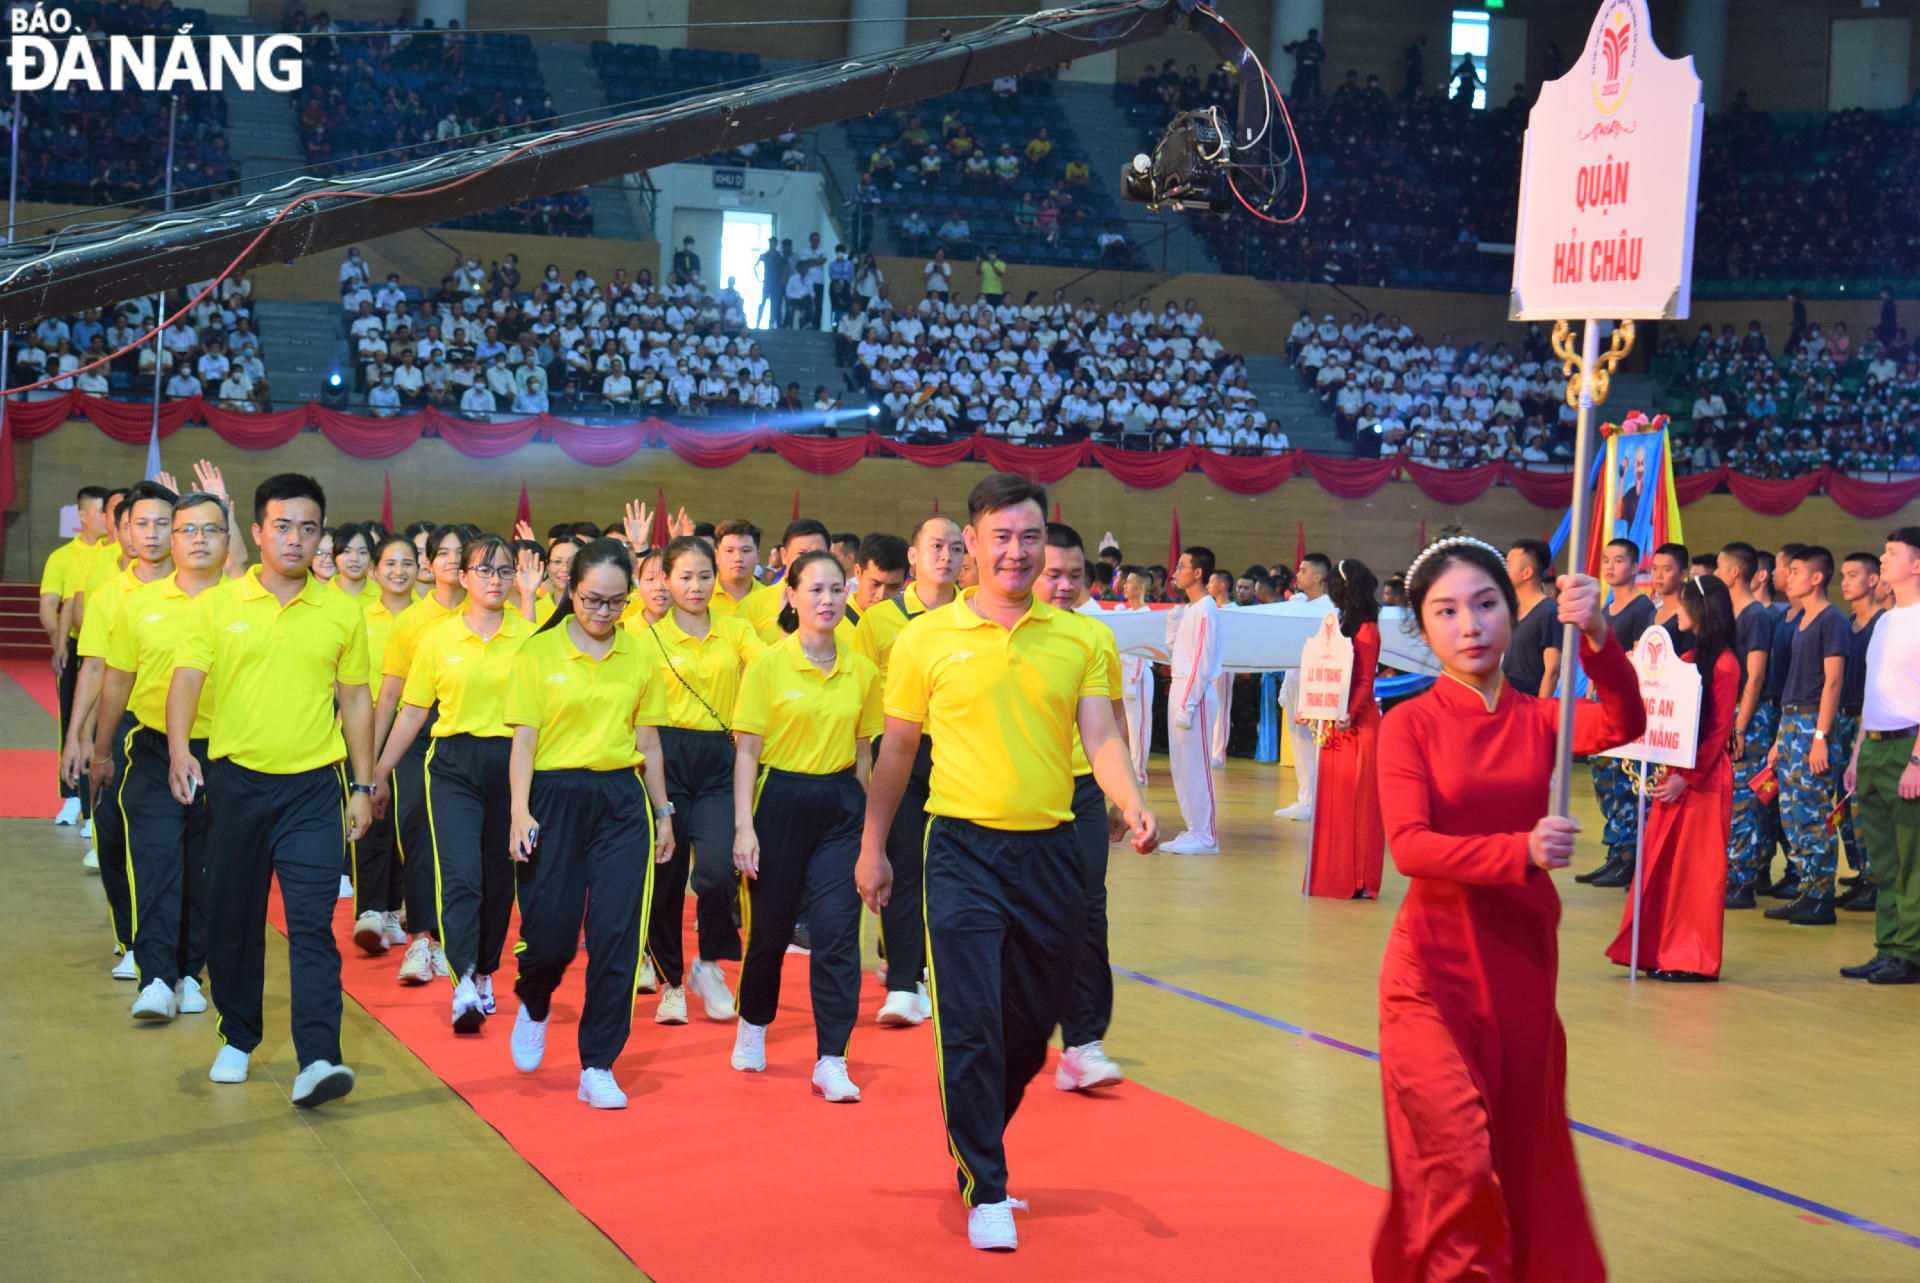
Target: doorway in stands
[743,239]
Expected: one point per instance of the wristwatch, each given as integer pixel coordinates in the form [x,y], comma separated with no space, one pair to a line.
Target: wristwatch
[360,788]
[661,813]
[1820,735]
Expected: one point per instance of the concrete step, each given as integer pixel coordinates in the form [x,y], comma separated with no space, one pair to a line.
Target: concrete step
[1307,423]
[301,343]
[804,357]
[1628,392]
[575,86]
[263,129]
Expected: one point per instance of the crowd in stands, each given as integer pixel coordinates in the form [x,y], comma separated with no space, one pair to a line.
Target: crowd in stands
[997,163]
[374,95]
[1819,399]
[86,147]
[213,351]
[1047,372]
[1390,390]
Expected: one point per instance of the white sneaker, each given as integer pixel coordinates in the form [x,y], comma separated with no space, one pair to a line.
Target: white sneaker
[155,1002]
[529,1041]
[86,831]
[126,968]
[69,812]
[91,860]
[1188,844]
[346,893]
[468,1014]
[188,1000]
[707,980]
[230,1066]
[990,1225]
[902,1007]
[598,1089]
[923,1001]
[830,1081]
[648,980]
[750,1048]
[440,968]
[484,986]
[390,927]
[1086,1066]
[321,1082]
[417,967]
[1220,762]
[1300,811]
[370,932]
[673,1006]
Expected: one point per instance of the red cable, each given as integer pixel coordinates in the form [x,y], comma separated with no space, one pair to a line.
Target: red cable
[1293,137]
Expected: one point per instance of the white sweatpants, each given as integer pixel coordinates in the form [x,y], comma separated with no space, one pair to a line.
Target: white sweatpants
[1222,717]
[1139,706]
[1190,756]
[1305,759]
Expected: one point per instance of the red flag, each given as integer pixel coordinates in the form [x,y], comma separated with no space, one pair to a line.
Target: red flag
[1173,545]
[796,505]
[524,513]
[936,505]
[659,535]
[386,499]
[1300,545]
[1056,510]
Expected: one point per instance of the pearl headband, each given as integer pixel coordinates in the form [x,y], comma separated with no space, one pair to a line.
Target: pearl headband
[1441,545]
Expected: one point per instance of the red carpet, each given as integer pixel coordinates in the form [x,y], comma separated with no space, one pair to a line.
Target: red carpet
[29,785]
[712,1174]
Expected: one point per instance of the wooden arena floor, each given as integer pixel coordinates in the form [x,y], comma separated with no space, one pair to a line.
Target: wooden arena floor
[119,1159]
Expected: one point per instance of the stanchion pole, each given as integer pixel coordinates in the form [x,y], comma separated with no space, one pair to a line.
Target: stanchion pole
[1313,813]
[1639,863]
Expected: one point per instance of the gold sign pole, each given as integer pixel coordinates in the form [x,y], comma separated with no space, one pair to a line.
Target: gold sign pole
[1588,373]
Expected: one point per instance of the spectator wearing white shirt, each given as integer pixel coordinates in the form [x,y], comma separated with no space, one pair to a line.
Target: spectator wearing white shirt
[236,392]
[477,400]
[383,398]
[182,385]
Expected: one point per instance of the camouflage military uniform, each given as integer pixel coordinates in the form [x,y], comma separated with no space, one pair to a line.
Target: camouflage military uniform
[1614,791]
[1805,801]
[1750,841]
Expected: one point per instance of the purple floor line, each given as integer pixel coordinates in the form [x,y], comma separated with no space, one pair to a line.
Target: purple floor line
[1652,1151]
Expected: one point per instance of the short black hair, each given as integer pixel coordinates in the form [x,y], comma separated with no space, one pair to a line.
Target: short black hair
[1103,573]
[703,530]
[559,530]
[1870,560]
[1908,535]
[1538,551]
[151,491]
[846,539]
[585,530]
[282,487]
[1678,551]
[805,527]
[1705,562]
[97,493]
[735,526]
[1061,535]
[1633,549]
[889,552]
[1320,562]
[1202,559]
[1744,557]
[1001,490]
[418,528]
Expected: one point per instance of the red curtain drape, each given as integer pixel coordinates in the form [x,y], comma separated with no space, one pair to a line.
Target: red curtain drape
[603,446]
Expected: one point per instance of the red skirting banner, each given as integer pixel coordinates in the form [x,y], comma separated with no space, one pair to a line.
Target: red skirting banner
[603,446]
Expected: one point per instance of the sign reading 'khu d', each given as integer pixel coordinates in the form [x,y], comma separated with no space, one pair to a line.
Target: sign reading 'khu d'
[1609,180]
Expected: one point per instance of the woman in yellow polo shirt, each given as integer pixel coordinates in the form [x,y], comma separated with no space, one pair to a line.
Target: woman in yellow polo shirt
[377,883]
[584,704]
[699,656]
[462,665]
[352,559]
[808,709]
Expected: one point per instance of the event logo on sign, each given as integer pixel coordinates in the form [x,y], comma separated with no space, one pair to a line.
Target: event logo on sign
[1614,56]
[1653,656]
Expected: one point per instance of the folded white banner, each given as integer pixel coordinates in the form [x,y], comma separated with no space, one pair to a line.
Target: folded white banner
[1265,639]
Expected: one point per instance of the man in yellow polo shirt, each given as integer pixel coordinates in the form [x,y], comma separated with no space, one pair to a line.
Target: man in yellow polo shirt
[281,648]
[1001,683]
[144,528]
[165,838]
[56,617]
[736,556]
[1084,1063]
[934,551]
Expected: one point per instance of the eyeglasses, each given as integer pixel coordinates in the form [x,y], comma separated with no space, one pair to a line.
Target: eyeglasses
[601,605]
[191,533]
[491,572]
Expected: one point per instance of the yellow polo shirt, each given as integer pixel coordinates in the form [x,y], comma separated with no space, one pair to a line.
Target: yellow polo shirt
[66,569]
[466,675]
[403,638]
[584,708]
[143,641]
[1110,653]
[379,629]
[723,606]
[710,666]
[880,627]
[272,670]
[812,722]
[103,609]
[1001,706]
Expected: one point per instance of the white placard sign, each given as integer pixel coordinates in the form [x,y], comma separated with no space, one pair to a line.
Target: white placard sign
[1609,180]
[1326,672]
[1670,688]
